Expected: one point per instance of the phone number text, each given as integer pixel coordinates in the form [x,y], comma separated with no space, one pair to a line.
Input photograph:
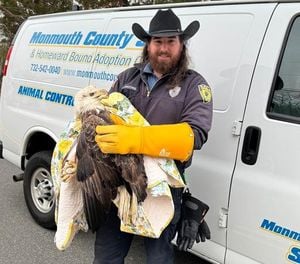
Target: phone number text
[45,68]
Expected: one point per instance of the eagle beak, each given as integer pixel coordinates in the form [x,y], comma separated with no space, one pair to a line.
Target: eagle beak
[105,101]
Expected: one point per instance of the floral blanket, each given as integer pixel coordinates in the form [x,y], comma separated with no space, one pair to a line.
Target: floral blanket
[148,218]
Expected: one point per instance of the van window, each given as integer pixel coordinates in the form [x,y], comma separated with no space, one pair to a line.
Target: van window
[285,101]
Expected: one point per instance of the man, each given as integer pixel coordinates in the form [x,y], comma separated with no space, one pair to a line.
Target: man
[176,101]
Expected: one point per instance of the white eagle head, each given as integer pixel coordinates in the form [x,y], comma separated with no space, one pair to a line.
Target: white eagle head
[89,98]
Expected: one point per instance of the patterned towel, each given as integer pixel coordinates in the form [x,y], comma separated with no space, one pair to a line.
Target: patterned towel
[148,218]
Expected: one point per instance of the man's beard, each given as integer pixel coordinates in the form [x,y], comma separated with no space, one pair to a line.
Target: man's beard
[163,67]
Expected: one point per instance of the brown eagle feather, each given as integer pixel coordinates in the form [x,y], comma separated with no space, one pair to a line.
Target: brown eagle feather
[100,174]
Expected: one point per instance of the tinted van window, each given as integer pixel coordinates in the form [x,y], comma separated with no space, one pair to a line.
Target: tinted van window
[285,101]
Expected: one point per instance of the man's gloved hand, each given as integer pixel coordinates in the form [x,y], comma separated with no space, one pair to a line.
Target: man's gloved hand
[187,234]
[175,141]
[192,226]
[203,232]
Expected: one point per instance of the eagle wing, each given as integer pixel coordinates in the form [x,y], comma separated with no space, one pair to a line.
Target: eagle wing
[133,172]
[96,172]
[101,174]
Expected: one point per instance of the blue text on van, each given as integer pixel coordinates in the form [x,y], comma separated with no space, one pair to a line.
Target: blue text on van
[92,38]
[50,96]
[281,230]
[294,254]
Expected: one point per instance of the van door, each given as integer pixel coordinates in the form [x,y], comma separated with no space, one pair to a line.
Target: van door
[263,210]
[224,51]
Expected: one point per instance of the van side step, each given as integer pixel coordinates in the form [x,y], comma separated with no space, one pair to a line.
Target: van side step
[1,150]
[18,177]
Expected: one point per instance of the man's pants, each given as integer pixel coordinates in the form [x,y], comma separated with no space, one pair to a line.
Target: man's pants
[112,245]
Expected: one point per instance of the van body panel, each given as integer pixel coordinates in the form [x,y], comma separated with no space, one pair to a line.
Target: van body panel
[236,258]
[264,197]
[228,69]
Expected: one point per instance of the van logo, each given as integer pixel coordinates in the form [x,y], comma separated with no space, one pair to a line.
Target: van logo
[175,91]
[92,38]
[294,254]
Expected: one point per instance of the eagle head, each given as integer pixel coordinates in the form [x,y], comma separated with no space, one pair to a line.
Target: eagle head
[89,98]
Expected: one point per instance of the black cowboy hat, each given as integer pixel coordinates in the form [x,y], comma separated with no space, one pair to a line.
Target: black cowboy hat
[165,24]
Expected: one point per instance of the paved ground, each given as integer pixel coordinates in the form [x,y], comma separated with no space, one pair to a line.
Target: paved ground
[23,241]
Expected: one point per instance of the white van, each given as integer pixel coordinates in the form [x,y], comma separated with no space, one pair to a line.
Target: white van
[249,170]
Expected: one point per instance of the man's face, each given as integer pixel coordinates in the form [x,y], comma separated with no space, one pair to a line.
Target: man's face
[164,53]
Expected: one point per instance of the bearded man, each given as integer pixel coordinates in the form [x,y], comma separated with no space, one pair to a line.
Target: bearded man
[177,102]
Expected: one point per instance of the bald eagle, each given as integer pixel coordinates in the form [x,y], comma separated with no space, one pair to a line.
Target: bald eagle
[101,174]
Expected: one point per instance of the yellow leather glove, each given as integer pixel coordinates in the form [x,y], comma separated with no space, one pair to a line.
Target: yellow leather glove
[174,141]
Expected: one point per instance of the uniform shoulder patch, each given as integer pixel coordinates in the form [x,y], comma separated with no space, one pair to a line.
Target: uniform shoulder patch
[205,93]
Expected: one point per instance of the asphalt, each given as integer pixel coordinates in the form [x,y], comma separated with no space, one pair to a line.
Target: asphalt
[24,241]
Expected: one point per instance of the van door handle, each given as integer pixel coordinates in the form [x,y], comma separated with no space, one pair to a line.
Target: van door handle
[251,145]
